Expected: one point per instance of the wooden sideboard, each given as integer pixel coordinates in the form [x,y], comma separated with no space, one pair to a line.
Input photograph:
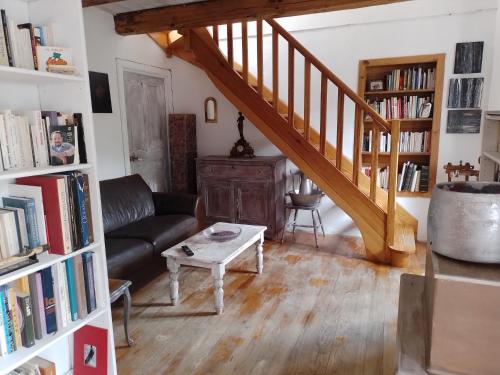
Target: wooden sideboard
[246,191]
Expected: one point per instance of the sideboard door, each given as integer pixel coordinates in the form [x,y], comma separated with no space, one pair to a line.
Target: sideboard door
[252,202]
[218,198]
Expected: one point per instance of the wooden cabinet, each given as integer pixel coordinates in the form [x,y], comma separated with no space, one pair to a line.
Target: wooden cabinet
[246,191]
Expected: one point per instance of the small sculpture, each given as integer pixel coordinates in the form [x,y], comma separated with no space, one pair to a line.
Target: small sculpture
[466,170]
[241,148]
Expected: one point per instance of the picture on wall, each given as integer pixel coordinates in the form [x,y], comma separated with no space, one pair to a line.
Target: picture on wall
[464,122]
[468,57]
[465,92]
[99,93]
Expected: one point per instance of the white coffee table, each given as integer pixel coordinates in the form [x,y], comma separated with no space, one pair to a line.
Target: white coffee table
[214,256]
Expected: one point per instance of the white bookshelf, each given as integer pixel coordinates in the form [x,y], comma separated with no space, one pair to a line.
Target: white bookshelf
[22,89]
[490,156]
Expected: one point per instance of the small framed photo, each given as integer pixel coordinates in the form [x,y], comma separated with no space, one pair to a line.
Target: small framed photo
[376,85]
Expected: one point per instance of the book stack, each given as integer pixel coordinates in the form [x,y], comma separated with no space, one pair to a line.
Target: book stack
[413,178]
[416,78]
[408,141]
[46,301]
[29,46]
[405,107]
[51,210]
[40,138]
[382,176]
[36,366]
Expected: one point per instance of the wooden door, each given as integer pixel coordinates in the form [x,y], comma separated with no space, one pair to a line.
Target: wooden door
[252,202]
[218,197]
[146,109]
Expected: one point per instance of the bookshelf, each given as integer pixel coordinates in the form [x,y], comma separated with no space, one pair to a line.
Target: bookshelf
[490,159]
[23,89]
[378,70]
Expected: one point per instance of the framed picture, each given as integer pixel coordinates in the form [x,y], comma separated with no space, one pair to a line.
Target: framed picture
[90,351]
[99,93]
[464,122]
[469,57]
[465,92]
[376,85]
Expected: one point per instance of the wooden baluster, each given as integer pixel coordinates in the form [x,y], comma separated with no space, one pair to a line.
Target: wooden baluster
[291,88]
[340,129]
[393,181]
[375,146]
[244,47]
[358,137]
[260,58]
[307,98]
[323,112]
[215,34]
[275,70]
[230,57]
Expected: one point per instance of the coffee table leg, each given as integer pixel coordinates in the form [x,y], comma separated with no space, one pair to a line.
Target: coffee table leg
[218,271]
[173,269]
[258,254]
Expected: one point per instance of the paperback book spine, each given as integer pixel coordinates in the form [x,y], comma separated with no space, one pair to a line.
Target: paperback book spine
[35,305]
[28,328]
[73,299]
[82,212]
[88,271]
[49,300]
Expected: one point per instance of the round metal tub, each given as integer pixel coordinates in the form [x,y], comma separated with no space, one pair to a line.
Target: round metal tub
[464,221]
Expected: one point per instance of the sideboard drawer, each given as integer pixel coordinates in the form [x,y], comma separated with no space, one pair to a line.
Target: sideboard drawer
[235,170]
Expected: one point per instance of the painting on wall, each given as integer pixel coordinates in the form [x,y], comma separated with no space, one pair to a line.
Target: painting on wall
[99,93]
[465,92]
[468,57]
[464,122]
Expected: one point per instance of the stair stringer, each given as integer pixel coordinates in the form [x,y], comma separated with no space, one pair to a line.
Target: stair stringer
[370,219]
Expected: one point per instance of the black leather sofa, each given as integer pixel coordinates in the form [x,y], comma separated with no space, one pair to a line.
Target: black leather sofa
[139,224]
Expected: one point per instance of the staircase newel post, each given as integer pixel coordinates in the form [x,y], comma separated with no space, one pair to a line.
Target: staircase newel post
[393,181]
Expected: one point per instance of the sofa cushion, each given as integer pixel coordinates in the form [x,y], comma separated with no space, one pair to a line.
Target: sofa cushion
[127,255]
[125,200]
[162,231]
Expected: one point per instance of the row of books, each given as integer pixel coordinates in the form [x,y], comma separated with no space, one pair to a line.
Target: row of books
[35,366]
[382,176]
[408,141]
[32,47]
[51,210]
[403,107]
[46,301]
[413,178]
[40,138]
[416,78]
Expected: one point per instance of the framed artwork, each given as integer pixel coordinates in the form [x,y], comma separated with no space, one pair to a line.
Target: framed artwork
[465,92]
[90,351]
[376,85]
[469,57]
[99,92]
[464,122]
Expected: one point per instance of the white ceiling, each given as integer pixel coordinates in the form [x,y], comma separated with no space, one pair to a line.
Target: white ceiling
[131,5]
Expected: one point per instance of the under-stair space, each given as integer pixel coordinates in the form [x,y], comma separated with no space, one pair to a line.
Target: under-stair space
[330,157]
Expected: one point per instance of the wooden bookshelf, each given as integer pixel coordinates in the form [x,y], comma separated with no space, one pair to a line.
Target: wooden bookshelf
[378,69]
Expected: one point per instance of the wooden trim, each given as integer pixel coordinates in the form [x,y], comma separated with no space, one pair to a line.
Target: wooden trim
[307,99]
[374,164]
[260,57]
[217,12]
[244,49]
[291,85]
[275,70]
[340,129]
[230,57]
[358,137]
[393,182]
[323,114]
[215,34]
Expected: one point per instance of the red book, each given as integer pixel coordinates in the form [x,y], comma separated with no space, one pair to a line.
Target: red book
[55,205]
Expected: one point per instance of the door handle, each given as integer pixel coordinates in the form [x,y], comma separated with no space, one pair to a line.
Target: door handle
[134,158]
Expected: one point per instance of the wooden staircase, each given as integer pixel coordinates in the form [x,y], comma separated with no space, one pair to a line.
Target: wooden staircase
[388,230]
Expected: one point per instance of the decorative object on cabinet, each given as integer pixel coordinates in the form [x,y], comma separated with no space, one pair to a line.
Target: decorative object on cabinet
[210,110]
[99,93]
[241,148]
[463,121]
[246,191]
[468,57]
[465,92]
[455,171]
[183,149]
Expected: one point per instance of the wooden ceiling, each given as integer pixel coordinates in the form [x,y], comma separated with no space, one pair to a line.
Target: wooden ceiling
[149,16]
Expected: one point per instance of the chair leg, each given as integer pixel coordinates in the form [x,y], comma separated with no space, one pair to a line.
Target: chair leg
[287,218]
[315,229]
[295,220]
[320,222]
[127,302]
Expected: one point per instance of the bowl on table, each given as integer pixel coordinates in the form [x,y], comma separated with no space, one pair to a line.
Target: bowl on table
[221,233]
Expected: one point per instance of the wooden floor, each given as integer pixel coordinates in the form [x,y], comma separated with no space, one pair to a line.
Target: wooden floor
[310,312]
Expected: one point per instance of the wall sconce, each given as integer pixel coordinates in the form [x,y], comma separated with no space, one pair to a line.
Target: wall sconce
[210,110]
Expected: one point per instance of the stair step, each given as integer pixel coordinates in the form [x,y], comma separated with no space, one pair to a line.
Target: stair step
[404,245]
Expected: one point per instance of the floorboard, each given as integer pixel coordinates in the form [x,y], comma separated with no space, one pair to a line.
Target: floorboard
[312,311]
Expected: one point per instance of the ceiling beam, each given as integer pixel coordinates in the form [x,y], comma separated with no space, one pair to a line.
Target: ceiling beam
[216,12]
[91,3]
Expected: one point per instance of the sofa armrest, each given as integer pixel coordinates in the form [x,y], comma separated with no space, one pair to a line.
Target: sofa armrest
[176,204]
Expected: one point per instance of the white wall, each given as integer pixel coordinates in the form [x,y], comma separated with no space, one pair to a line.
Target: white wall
[494,99]
[339,40]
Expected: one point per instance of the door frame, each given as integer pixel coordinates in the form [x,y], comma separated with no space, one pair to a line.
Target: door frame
[123,66]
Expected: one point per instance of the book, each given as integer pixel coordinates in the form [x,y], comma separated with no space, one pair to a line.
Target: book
[33,42]
[81,210]
[7,36]
[88,209]
[27,46]
[7,316]
[27,326]
[49,300]
[27,205]
[3,336]
[60,296]
[48,56]
[38,319]
[44,366]
[9,242]
[4,55]
[73,298]
[88,273]
[80,287]
[62,144]
[15,314]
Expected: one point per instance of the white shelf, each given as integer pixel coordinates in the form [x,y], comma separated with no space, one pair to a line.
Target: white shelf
[16,359]
[16,173]
[26,76]
[44,260]
[492,155]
